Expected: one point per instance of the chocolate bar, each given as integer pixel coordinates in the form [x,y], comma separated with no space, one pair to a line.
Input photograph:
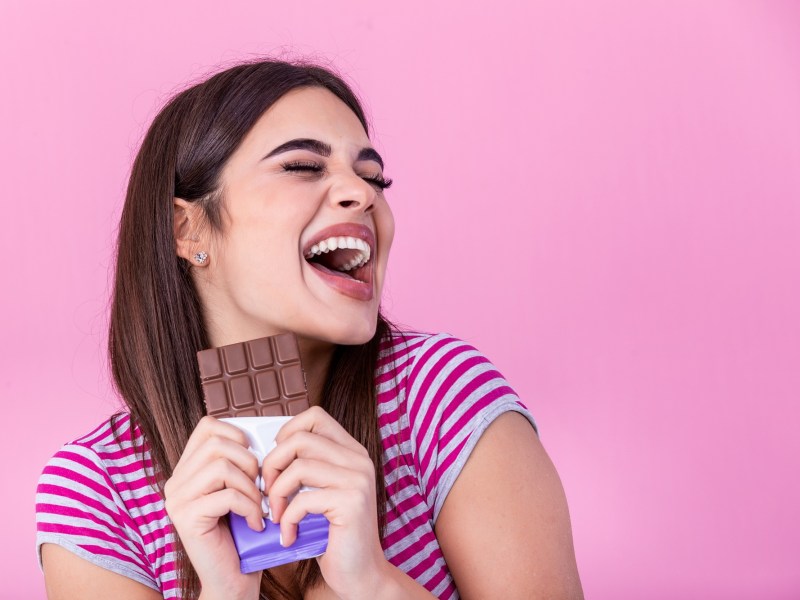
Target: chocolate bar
[258,378]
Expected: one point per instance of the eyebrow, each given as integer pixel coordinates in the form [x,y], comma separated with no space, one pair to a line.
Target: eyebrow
[322,149]
[370,154]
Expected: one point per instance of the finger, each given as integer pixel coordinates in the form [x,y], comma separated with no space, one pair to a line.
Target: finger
[218,504]
[319,502]
[316,420]
[220,447]
[207,427]
[315,474]
[218,475]
[304,444]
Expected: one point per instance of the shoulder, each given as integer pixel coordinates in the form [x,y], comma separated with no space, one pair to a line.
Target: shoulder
[451,393]
[441,373]
[83,497]
[426,352]
[400,346]
[106,444]
[113,442]
[407,341]
[412,353]
[84,473]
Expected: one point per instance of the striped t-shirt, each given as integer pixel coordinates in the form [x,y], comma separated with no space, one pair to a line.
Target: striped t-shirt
[436,396]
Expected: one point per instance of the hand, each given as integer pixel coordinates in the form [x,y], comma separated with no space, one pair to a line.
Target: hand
[215,475]
[313,449]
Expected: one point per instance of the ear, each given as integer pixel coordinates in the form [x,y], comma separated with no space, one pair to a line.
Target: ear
[188,221]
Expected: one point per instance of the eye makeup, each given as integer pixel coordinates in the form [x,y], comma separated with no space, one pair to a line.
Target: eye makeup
[315,168]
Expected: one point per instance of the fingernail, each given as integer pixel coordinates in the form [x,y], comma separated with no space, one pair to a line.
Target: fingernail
[280,539]
[263,524]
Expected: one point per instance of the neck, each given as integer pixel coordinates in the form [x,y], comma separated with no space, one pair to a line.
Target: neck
[316,358]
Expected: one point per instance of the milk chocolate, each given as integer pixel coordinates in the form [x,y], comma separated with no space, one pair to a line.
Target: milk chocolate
[258,378]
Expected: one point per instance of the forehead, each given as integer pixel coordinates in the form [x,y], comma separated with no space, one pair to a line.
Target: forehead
[314,113]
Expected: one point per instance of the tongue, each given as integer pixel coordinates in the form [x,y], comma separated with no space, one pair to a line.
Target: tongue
[322,267]
[336,259]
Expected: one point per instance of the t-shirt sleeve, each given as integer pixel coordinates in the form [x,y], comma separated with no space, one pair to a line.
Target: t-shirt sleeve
[79,509]
[453,394]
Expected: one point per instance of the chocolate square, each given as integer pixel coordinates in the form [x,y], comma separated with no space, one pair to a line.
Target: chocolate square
[262,377]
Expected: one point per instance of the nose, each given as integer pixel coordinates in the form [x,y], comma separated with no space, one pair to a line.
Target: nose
[353,193]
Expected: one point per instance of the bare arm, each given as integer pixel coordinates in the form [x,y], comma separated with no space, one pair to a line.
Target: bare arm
[214,476]
[67,576]
[504,528]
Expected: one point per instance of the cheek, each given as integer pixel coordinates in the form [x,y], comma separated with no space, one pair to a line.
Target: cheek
[258,256]
[384,222]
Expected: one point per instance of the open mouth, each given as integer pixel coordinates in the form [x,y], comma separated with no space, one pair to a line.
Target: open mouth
[342,255]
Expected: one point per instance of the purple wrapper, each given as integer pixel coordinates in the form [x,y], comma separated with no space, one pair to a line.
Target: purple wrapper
[260,550]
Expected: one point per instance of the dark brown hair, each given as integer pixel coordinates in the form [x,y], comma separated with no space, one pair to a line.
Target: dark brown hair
[157,323]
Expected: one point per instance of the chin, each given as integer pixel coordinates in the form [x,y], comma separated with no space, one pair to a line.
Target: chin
[352,332]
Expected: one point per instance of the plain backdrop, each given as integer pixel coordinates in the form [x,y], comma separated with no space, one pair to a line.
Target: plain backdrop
[603,196]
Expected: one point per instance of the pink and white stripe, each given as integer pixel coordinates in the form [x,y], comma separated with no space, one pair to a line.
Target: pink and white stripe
[436,396]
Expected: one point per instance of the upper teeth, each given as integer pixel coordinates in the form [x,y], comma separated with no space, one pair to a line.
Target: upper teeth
[342,242]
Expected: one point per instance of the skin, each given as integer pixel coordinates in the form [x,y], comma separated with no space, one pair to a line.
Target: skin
[505,531]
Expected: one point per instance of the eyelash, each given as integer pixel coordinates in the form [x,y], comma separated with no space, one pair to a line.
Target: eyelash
[298,165]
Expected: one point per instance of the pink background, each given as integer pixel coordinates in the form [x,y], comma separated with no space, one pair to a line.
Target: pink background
[602,196]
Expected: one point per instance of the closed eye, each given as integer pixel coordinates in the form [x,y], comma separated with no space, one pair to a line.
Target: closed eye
[302,165]
[379,181]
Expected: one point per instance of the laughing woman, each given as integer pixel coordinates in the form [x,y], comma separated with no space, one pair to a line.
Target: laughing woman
[427,466]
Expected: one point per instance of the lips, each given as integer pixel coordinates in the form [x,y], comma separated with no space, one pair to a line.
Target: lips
[334,266]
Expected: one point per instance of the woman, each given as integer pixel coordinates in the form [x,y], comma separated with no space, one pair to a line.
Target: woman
[428,468]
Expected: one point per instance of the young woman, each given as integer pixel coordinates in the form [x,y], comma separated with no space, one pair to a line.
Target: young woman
[256,206]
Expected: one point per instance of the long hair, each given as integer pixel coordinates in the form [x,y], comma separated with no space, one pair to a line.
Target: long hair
[157,325]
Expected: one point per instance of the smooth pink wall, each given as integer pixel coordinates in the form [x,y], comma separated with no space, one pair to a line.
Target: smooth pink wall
[602,196]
